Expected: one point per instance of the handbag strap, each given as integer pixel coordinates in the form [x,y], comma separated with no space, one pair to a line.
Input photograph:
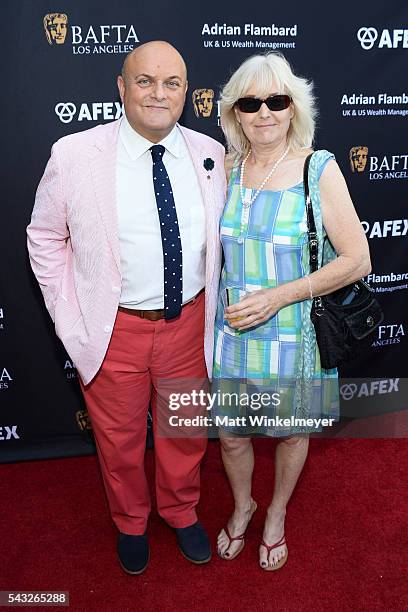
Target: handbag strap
[311,226]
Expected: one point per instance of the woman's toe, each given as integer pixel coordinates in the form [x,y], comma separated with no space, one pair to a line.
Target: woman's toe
[274,560]
[262,558]
[221,543]
[277,557]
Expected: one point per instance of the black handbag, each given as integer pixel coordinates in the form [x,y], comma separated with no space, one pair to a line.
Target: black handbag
[346,319]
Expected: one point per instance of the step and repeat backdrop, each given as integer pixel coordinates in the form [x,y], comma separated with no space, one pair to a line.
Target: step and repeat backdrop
[60,66]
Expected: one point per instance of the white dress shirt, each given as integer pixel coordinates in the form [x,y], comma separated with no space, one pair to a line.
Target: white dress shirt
[140,241]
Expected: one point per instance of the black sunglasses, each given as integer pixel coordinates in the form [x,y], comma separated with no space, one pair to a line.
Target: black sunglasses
[274,103]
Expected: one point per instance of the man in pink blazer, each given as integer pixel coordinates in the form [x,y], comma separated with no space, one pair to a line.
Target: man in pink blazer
[123,241]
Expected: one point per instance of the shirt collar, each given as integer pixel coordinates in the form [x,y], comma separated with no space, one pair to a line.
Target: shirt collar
[136,145]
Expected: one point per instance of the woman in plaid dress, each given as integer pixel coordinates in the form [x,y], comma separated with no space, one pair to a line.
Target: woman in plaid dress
[265,346]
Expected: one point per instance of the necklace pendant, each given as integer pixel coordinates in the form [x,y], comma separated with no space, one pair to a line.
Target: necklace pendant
[246,202]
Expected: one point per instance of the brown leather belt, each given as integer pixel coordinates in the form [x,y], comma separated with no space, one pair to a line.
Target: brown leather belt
[154,315]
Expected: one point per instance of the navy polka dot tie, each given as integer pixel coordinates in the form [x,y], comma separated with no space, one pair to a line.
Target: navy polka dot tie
[170,234]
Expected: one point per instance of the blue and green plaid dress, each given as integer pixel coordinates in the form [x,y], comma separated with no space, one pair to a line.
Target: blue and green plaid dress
[267,249]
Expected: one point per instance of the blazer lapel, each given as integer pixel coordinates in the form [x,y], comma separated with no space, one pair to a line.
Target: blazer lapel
[206,183]
[103,170]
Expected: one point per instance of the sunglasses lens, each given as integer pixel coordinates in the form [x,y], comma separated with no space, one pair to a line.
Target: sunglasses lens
[278,103]
[274,103]
[249,105]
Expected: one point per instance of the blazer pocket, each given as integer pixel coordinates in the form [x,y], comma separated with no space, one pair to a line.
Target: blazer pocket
[67,316]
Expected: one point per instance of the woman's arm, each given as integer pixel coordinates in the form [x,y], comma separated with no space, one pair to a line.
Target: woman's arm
[347,236]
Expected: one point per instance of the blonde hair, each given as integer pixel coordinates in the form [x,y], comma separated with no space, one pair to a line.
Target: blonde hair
[259,70]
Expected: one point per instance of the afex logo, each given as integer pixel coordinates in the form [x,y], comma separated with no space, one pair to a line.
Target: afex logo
[369,388]
[384,229]
[392,39]
[94,111]
[7,432]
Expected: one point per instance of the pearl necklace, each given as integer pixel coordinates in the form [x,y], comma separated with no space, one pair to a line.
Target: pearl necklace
[247,203]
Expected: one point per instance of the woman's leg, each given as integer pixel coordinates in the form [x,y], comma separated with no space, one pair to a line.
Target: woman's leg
[290,457]
[238,458]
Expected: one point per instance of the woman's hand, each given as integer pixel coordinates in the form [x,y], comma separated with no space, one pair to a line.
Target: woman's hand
[254,308]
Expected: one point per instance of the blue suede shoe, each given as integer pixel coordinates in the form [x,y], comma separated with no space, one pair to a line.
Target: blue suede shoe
[133,552]
[194,543]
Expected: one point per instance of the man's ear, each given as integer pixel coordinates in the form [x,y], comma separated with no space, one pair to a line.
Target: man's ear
[121,87]
[185,91]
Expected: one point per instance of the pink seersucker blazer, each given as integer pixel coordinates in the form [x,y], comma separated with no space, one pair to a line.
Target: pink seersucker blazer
[74,246]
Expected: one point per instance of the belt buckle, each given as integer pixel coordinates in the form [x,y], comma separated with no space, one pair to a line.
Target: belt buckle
[153,315]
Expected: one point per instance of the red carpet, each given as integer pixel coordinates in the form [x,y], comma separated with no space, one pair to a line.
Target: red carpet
[346,530]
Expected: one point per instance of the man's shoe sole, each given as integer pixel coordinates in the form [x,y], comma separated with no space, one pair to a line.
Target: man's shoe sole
[136,573]
[194,560]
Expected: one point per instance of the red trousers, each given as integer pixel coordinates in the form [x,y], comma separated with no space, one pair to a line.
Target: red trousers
[140,353]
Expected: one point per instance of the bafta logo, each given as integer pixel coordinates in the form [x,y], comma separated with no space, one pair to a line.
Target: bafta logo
[358,158]
[83,420]
[55,26]
[203,102]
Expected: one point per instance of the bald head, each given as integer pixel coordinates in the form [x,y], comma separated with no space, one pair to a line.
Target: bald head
[158,48]
[153,87]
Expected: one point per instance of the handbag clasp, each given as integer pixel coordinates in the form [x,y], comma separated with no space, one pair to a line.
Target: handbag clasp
[318,306]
